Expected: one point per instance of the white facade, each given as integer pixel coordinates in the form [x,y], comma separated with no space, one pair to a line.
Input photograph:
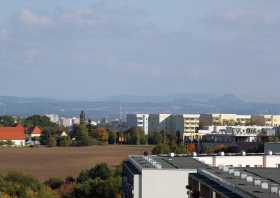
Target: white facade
[66,122]
[16,142]
[166,181]
[229,133]
[53,117]
[138,120]
[187,124]
[265,161]
[160,183]
[75,120]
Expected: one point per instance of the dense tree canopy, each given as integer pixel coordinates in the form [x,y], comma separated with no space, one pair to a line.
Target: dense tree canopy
[135,135]
[99,182]
[14,185]
[7,121]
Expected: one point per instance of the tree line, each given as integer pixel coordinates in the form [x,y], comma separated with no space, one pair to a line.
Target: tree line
[99,182]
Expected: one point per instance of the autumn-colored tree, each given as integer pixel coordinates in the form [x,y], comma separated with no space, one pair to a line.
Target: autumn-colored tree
[102,134]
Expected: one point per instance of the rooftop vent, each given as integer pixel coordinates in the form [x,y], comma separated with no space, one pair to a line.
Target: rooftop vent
[226,169]
[264,185]
[236,173]
[249,178]
[172,154]
[257,181]
[274,188]
[243,175]
[231,171]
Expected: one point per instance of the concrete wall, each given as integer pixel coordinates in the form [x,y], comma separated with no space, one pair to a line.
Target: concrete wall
[165,183]
[268,161]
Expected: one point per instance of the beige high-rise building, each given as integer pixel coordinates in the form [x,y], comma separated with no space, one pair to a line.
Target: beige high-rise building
[266,120]
[187,125]
[243,120]
[219,119]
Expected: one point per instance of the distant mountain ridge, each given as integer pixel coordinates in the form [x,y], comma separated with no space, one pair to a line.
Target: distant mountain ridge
[113,107]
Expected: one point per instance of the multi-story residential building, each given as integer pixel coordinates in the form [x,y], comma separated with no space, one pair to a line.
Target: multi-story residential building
[224,119]
[66,122]
[53,117]
[266,120]
[217,119]
[75,120]
[180,175]
[159,122]
[187,125]
[157,176]
[243,120]
[138,120]
[232,134]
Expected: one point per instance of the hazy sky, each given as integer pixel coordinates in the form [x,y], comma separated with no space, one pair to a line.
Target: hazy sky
[90,48]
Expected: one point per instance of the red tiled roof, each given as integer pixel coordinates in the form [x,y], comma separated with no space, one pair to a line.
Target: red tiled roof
[20,126]
[36,130]
[12,133]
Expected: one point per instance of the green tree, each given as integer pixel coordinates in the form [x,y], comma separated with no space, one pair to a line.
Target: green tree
[22,186]
[155,138]
[82,138]
[7,121]
[161,149]
[181,149]
[64,141]
[54,183]
[102,135]
[112,137]
[40,121]
[99,182]
[51,142]
[100,170]
[135,135]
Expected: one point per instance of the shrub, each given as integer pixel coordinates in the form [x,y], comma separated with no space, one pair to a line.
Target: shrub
[54,183]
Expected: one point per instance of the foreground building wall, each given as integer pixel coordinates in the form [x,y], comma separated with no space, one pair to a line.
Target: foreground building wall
[157,183]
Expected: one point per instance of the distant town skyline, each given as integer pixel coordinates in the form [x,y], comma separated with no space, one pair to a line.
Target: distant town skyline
[88,49]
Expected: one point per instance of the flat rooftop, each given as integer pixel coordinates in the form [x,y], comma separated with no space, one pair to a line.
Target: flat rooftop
[166,162]
[215,177]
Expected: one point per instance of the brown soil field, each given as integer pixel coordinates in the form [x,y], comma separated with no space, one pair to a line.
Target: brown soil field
[44,163]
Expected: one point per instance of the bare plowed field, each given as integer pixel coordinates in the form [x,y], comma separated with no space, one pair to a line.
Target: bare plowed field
[43,163]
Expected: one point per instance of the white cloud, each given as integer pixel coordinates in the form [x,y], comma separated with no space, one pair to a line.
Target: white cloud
[27,17]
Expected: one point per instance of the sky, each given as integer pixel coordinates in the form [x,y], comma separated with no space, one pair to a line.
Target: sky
[96,48]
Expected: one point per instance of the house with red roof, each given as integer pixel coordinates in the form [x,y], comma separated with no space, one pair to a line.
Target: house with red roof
[13,134]
[36,132]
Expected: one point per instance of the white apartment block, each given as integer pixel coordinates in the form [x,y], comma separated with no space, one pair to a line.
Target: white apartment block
[53,118]
[187,125]
[235,133]
[66,122]
[266,120]
[138,120]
